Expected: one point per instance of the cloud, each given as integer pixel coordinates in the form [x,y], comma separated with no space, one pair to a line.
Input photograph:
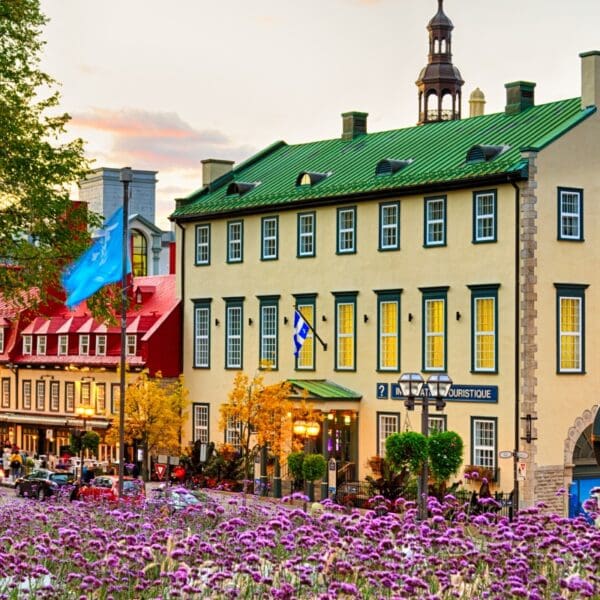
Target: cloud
[157,140]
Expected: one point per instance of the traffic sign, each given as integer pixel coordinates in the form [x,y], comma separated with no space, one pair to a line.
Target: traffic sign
[160,470]
[505,454]
[522,454]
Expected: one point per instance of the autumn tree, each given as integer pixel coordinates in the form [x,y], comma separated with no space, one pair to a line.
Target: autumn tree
[155,411]
[37,166]
[260,410]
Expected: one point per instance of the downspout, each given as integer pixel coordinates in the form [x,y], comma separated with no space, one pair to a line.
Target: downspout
[517,344]
[182,269]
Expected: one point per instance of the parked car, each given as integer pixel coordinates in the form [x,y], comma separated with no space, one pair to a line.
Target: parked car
[106,488]
[175,498]
[41,483]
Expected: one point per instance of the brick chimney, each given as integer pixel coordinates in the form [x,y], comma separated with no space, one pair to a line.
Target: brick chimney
[519,96]
[213,168]
[590,78]
[353,124]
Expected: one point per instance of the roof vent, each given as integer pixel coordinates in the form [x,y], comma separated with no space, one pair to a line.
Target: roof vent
[389,166]
[311,178]
[481,153]
[239,188]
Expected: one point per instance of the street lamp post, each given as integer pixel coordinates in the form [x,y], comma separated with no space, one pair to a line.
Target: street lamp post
[411,387]
[85,413]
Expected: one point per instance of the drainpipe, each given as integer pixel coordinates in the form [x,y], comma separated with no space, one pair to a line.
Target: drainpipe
[182,269]
[517,345]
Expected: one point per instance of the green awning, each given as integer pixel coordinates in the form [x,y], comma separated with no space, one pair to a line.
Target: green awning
[322,389]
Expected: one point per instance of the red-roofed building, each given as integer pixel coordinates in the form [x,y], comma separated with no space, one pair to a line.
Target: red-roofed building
[57,359]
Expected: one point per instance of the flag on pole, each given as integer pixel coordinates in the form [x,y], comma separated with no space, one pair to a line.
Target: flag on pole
[99,265]
[301,330]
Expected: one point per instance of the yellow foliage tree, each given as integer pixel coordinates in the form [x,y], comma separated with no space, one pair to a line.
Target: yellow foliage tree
[261,410]
[155,411]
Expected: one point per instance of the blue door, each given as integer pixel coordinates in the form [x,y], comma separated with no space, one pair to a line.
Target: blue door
[579,492]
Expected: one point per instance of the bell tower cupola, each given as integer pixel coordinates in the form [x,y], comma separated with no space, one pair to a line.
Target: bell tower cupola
[440,81]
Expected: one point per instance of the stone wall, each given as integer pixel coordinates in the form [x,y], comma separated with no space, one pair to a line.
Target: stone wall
[548,481]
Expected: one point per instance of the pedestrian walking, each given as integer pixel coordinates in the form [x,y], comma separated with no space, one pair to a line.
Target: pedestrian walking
[16,463]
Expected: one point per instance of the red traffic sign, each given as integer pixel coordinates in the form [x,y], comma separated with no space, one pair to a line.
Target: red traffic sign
[160,470]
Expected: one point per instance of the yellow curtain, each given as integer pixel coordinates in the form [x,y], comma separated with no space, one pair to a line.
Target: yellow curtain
[570,332]
[485,333]
[389,335]
[345,335]
[435,334]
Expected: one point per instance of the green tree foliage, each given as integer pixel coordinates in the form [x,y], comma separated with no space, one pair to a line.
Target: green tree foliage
[445,454]
[86,440]
[406,450]
[294,462]
[38,221]
[155,411]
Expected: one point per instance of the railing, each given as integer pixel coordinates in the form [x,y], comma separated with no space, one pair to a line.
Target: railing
[345,473]
[359,494]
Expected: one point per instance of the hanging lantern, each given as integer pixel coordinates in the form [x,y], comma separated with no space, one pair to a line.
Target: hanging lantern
[312,429]
[299,427]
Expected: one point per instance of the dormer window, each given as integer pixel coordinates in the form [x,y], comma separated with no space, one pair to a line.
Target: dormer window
[310,178]
[131,345]
[482,153]
[27,343]
[239,188]
[389,166]
[1,340]
[41,345]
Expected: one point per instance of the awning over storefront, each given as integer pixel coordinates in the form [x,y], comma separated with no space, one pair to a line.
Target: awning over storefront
[47,421]
[324,393]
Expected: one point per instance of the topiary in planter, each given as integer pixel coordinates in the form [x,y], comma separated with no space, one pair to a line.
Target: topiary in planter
[314,467]
[294,462]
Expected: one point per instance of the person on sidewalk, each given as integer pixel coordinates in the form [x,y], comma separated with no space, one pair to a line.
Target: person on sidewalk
[16,464]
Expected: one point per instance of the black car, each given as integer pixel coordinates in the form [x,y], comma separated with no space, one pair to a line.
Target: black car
[41,483]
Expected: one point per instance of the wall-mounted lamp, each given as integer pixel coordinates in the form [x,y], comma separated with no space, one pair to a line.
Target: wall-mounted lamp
[324,318]
[250,321]
[410,317]
[285,320]
[138,297]
[529,428]
[366,318]
[458,316]
[217,322]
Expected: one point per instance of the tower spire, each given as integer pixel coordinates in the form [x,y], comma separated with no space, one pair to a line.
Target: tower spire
[440,79]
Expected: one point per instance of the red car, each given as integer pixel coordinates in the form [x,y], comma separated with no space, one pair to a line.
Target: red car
[105,488]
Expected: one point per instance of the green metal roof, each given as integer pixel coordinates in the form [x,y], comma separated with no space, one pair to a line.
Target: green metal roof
[437,152]
[325,389]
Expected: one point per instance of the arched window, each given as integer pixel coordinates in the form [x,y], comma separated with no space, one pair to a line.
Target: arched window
[139,254]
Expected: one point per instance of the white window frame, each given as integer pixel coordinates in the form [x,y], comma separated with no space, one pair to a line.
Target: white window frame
[101,345]
[436,424]
[235,237]
[27,394]
[100,398]
[201,423]
[84,344]
[202,336]
[389,228]
[63,345]
[1,340]
[55,396]
[203,244]
[269,234]
[484,454]
[432,223]
[131,344]
[387,424]
[69,396]
[233,350]
[346,234]
[233,433]
[40,395]
[570,219]
[27,345]
[268,335]
[5,392]
[41,345]
[485,220]
[306,234]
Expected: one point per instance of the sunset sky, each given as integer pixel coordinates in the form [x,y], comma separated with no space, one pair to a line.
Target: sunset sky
[162,85]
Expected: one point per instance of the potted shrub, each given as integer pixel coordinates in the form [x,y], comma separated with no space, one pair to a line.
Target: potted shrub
[294,462]
[445,450]
[314,466]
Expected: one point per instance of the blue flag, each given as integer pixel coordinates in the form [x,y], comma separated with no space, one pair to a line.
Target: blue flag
[301,330]
[98,266]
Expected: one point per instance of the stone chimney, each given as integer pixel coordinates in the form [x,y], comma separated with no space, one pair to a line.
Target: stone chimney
[213,168]
[476,103]
[353,124]
[519,96]
[590,78]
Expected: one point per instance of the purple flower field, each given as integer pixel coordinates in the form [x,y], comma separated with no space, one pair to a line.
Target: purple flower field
[225,549]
